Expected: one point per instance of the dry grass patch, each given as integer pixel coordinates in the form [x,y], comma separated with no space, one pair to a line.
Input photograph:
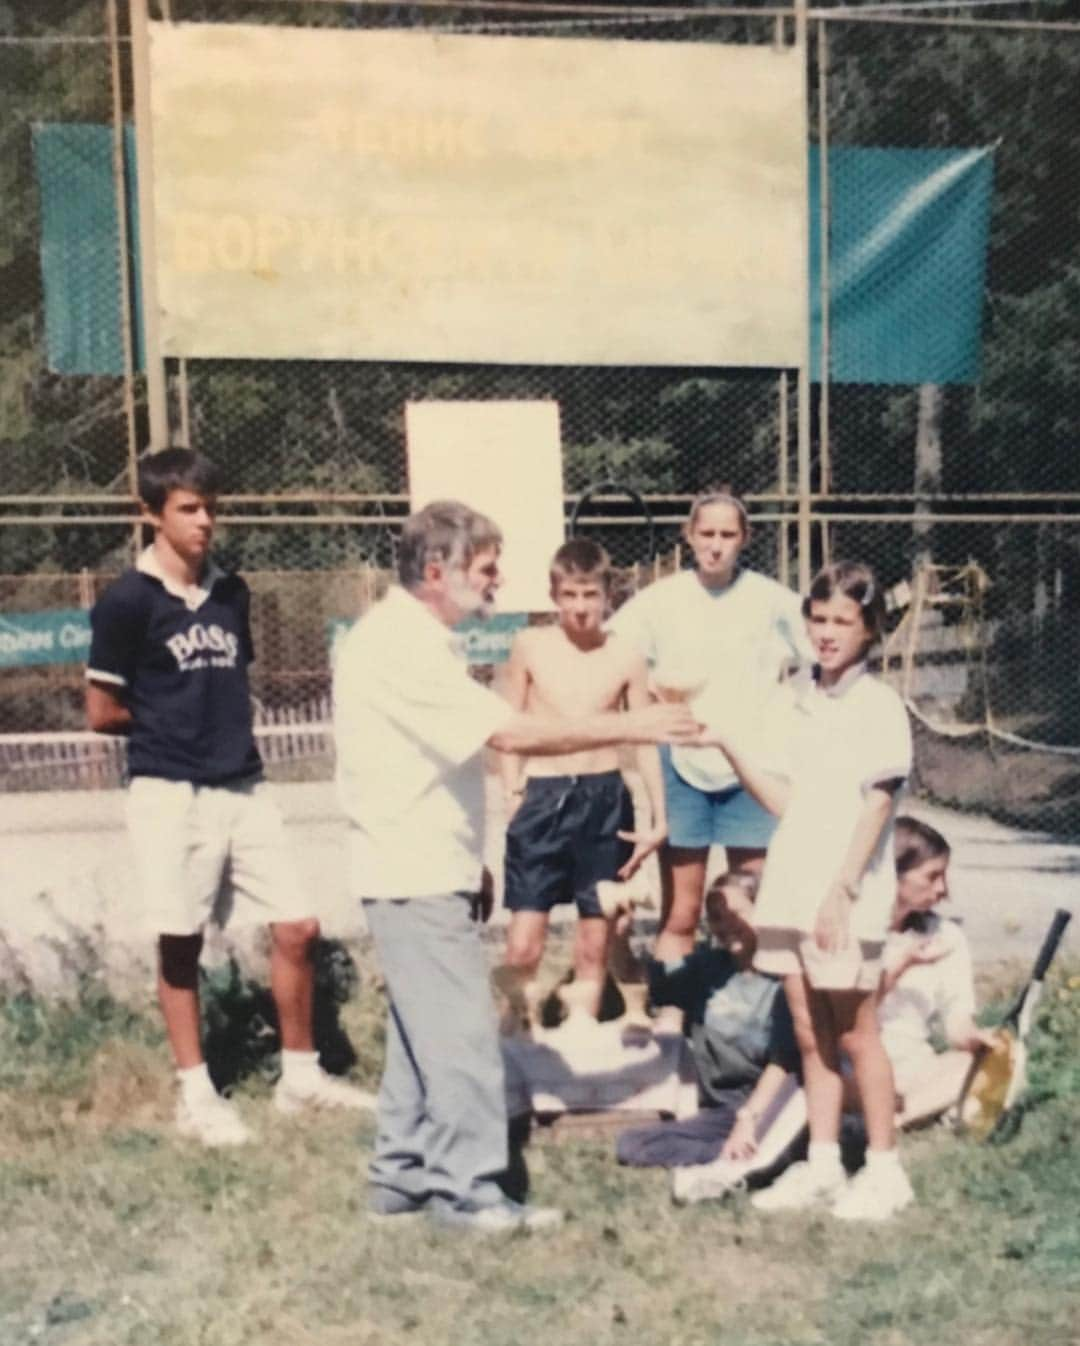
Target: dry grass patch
[128,1236]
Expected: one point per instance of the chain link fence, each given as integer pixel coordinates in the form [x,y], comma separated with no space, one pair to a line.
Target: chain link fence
[947,471]
[938,479]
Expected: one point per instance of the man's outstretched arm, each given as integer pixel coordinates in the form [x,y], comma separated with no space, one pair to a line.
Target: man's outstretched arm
[546,735]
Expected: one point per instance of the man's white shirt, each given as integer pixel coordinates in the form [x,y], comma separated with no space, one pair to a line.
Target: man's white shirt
[409,727]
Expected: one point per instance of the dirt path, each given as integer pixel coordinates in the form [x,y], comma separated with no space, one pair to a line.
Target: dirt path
[67,878]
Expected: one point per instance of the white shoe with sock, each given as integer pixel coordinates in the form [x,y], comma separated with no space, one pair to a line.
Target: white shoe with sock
[304,1084]
[707,1182]
[205,1116]
[817,1181]
[877,1191]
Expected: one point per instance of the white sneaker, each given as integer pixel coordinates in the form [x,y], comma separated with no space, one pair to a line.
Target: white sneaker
[210,1119]
[875,1194]
[320,1090]
[801,1186]
[706,1182]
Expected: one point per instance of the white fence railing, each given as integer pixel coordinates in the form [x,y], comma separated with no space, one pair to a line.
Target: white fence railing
[80,760]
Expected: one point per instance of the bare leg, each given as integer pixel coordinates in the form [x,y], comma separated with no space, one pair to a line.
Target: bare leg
[938,1091]
[525,939]
[178,995]
[591,943]
[292,981]
[816,1036]
[855,1015]
[745,859]
[516,979]
[625,965]
[682,873]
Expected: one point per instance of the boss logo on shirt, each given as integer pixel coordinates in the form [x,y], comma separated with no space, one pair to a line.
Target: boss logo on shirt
[204,647]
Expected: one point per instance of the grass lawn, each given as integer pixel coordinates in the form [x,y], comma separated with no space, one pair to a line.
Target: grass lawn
[119,1234]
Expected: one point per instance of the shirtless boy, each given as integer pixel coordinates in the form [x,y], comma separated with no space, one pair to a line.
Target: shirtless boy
[571,816]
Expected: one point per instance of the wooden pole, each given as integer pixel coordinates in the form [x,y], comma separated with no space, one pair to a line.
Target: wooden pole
[825,224]
[784,432]
[120,192]
[183,438]
[156,391]
[803,526]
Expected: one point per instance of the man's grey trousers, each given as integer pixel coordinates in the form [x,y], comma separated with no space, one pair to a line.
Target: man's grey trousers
[442,1124]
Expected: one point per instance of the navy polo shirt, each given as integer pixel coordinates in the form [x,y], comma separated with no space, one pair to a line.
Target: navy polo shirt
[181,665]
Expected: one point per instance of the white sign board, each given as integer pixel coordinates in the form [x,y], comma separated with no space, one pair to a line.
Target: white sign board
[503,459]
[393,195]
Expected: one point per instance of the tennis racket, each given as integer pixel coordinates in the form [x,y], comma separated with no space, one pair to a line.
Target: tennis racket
[987,1106]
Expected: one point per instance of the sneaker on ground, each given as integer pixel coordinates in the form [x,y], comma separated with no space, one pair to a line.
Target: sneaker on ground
[875,1194]
[320,1090]
[502,1217]
[706,1182]
[210,1119]
[386,1204]
[801,1186]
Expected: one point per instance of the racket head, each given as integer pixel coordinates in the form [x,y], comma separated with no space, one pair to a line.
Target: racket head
[991,1084]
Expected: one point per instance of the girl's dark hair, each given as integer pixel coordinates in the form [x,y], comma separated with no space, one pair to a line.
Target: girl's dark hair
[175,470]
[914,843]
[855,581]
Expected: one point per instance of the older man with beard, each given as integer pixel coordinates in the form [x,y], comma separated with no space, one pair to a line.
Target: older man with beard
[410,726]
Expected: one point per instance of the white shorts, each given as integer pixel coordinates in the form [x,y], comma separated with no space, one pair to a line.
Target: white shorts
[203,850]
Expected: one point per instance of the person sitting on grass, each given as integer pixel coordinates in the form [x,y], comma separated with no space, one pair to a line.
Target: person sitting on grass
[571,818]
[927,978]
[168,667]
[740,1032]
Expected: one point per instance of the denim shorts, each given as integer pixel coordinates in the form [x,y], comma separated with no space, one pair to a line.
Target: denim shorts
[701,818]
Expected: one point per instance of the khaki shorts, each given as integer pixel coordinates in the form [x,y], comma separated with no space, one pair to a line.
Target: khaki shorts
[203,852]
[786,953]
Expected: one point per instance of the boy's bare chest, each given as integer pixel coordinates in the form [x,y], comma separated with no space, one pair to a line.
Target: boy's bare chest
[571,680]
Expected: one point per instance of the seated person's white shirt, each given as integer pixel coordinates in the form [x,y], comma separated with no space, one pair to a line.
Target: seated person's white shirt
[944,990]
[409,727]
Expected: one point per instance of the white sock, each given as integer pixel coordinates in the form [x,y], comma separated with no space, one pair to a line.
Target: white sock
[883,1159]
[195,1081]
[824,1154]
[298,1066]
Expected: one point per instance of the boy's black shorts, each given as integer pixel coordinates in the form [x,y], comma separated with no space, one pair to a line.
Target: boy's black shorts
[562,841]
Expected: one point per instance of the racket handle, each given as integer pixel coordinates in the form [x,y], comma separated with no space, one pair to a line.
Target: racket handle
[1050,943]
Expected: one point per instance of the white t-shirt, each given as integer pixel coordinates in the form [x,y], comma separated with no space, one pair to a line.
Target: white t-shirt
[945,988]
[409,724]
[832,745]
[734,642]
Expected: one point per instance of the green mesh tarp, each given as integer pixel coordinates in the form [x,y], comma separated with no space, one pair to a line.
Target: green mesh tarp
[907,263]
[80,248]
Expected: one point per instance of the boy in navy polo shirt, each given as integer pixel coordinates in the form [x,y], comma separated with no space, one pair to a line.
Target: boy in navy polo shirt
[168,667]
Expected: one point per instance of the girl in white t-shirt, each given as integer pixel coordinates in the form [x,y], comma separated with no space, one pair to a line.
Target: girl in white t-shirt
[837,751]
[721,636]
[927,976]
